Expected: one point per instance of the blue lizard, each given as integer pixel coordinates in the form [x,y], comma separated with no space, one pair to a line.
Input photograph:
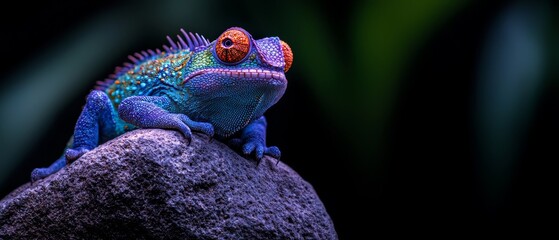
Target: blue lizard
[219,88]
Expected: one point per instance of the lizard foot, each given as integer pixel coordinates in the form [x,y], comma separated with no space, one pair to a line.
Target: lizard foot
[38,173]
[185,125]
[203,127]
[73,154]
[259,148]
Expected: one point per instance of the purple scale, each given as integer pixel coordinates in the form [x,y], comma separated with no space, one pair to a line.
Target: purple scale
[272,47]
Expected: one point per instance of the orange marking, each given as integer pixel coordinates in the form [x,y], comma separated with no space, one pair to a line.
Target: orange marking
[287,55]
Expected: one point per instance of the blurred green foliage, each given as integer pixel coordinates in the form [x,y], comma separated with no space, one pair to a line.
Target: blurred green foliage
[355,66]
[353,58]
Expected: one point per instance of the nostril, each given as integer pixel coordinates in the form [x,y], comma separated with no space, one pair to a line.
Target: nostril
[287,55]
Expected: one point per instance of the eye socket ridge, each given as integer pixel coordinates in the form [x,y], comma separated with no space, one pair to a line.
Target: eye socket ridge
[233,46]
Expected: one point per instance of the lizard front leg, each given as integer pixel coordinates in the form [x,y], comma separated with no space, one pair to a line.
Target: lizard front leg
[253,139]
[157,112]
[96,122]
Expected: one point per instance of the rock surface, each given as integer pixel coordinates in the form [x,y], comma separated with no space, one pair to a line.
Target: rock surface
[147,184]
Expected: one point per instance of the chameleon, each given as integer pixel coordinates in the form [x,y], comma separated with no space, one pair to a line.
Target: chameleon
[220,88]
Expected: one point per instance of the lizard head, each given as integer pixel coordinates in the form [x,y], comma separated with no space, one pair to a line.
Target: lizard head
[236,78]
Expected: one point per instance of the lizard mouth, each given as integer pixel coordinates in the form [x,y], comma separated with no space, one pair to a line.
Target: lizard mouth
[256,74]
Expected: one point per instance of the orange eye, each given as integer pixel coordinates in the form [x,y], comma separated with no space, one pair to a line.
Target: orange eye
[232,46]
[287,55]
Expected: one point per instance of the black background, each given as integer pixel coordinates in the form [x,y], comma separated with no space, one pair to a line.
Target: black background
[429,182]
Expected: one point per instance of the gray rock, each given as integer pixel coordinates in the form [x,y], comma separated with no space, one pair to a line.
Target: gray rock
[147,184]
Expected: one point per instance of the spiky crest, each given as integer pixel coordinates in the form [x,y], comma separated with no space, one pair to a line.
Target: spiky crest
[193,41]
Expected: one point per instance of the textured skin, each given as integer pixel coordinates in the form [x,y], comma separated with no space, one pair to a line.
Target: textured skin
[220,88]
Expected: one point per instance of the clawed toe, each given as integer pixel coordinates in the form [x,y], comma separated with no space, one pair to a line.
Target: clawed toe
[248,148]
[254,147]
[38,174]
[273,152]
[74,154]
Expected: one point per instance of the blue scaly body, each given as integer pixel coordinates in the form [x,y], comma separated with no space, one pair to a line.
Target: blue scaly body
[219,88]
